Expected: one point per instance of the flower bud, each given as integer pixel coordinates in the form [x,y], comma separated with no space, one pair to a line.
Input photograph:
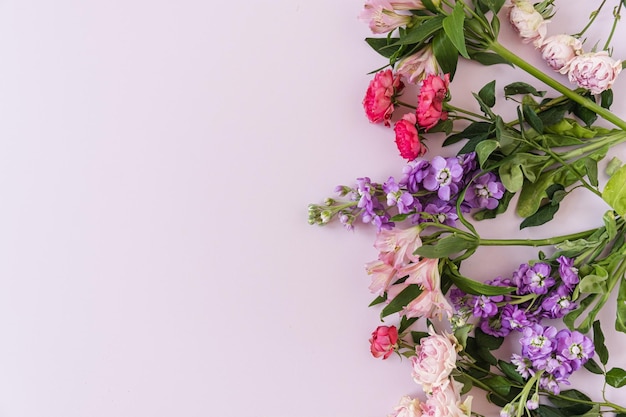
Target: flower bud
[419,65]
[533,403]
[559,50]
[529,23]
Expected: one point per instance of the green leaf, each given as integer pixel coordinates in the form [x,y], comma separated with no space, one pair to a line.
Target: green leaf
[488,58]
[422,31]
[418,336]
[511,176]
[470,286]
[488,93]
[378,300]
[510,371]
[554,114]
[493,5]
[531,117]
[522,88]
[476,129]
[547,411]
[570,318]
[594,283]
[593,367]
[509,139]
[405,323]
[410,293]
[484,149]
[488,341]
[445,53]
[445,247]
[384,46]
[598,343]
[541,216]
[498,384]
[614,192]
[453,26]
[570,404]
[613,166]
[606,98]
[591,167]
[620,317]
[461,333]
[616,377]
[584,114]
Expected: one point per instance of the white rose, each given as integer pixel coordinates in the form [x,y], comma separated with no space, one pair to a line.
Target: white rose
[435,359]
[528,22]
[559,50]
[595,71]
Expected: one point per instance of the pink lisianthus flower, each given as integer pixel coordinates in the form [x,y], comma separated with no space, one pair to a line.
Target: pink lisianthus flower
[399,244]
[382,272]
[381,17]
[384,341]
[380,95]
[559,50]
[430,101]
[595,71]
[407,407]
[431,302]
[528,22]
[419,65]
[407,137]
[446,402]
[434,361]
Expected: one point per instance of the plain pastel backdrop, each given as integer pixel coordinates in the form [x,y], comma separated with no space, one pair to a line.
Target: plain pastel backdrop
[156,163]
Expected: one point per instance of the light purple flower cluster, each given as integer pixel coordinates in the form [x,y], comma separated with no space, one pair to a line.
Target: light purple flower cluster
[558,353]
[543,291]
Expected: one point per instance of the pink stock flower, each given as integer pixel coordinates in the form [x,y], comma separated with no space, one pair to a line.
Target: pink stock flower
[382,272]
[418,66]
[434,360]
[407,137]
[430,101]
[384,341]
[596,71]
[431,302]
[559,50]
[399,244]
[378,101]
[528,22]
[380,16]
[407,407]
[446,402]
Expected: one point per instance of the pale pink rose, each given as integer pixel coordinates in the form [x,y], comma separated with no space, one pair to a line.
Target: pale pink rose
[595,71]
[559,50]
[446,402]
[431,302]
[407,138]
[400,244]
[382,272]
[430,101]
[419,65]
[381,18]
[528,22]
[434,360]
[384,341]
[408,407]
[378,101]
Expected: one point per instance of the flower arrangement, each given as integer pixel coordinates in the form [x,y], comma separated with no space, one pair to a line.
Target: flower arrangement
[425,215]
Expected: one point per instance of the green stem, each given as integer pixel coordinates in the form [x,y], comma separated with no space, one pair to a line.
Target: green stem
[499,49]
[536,242]
[402,103]
[616,17]
[609,140]
[448,106]
[592,18]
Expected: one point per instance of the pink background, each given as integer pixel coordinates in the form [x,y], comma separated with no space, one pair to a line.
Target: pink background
[156,163]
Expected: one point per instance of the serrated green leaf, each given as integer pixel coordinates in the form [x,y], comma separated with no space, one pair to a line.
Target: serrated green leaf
[614,192]
[598,343]
[488,93]
[453,26]
[410,293]
[616,377]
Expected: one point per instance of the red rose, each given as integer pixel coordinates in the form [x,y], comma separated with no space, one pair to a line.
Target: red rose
[384,341]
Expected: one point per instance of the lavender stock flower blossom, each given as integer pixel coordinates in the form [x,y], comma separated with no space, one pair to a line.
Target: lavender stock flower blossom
[485,192]
[567,271]
[443,177]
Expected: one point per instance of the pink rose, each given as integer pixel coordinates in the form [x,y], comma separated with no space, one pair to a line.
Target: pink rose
[418,66]
[378,101]
[595,71]
[384,341]
[399,244]
[430,101]
[446,402]
[559,50]
[407,138]
[435,359]
[381,18]
[528,22]
[408,407]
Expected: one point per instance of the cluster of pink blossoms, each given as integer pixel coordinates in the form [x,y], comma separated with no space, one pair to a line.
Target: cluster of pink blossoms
[595,71]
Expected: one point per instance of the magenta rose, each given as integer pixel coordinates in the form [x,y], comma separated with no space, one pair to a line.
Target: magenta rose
[430,101]
[380,95]
[384,341]
[407,139]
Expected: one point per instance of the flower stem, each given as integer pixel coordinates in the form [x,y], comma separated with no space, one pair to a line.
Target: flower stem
[450,107]
[592,18]
[616,17]
[536,242]
[499,49]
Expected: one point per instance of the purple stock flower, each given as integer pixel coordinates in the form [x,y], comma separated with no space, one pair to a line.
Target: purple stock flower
[373,211]
[443,176]
[518,279]
[493,326]
[468,162]
[537,341]
[574,347]
[484,306]
[567,271]
[558,304]
[413,175]
[443,213]
[538,279]
[514,318]
[524,365]
[485,192]
[396,196]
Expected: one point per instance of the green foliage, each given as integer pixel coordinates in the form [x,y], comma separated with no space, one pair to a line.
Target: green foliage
[614,192]
[616,377]
[453,26]
[401,300]
[447,246]
[598,343]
